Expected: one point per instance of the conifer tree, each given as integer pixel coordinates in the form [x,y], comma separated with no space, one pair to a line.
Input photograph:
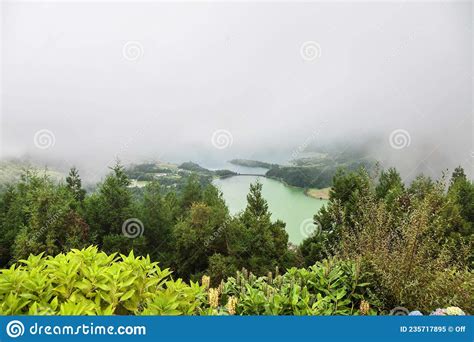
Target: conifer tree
[74,183]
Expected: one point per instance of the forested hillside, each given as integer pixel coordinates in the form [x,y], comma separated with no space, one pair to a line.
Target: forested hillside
[382,244]
[315,171]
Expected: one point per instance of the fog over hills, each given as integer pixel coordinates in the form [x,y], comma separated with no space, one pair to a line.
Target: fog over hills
[84,83]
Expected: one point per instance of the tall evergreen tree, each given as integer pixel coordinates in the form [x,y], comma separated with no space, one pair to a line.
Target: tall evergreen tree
[389,181]
[461,191]
[458,175]
[48,221]
[109,209]
[158,220]
[267,244]
[257,206]
[74,183]
[11,220]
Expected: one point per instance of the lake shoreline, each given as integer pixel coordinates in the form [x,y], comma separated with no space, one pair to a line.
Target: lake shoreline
[287,203]
[321,194]
[318,193]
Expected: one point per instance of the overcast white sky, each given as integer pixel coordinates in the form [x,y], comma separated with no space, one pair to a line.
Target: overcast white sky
[239,67]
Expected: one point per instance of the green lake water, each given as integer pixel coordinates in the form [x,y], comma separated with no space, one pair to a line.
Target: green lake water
[286,203]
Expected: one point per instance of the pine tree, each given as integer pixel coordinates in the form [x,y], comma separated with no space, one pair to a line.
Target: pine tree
[109,209]
[257,206]
[390,181]
[458,175]
[48,222]
[461,190]
[267,242]
[74,183]
[158,220]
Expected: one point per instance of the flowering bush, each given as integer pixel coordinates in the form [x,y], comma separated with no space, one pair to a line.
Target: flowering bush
[450,311]
[331,287]
[454,311]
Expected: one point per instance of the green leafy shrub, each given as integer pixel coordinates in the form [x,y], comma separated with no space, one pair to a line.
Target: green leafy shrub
[330,287]
[88,282]
[411,249]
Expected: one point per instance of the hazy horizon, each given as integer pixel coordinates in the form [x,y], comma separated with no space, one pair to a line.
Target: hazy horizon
[86,83]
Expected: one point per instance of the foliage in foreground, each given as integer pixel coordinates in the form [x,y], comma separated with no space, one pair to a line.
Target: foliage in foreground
[89,282]
[327,288]
[416,243]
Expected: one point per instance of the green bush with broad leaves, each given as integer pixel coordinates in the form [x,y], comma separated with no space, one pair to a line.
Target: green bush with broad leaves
[90,282]
[330,287]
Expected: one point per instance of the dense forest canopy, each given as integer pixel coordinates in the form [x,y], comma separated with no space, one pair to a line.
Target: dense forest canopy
[413,242]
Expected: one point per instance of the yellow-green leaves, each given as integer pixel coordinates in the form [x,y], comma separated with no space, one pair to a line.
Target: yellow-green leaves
[327,288]
[89,282]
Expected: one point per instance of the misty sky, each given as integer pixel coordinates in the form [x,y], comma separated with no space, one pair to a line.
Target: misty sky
[240,67]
